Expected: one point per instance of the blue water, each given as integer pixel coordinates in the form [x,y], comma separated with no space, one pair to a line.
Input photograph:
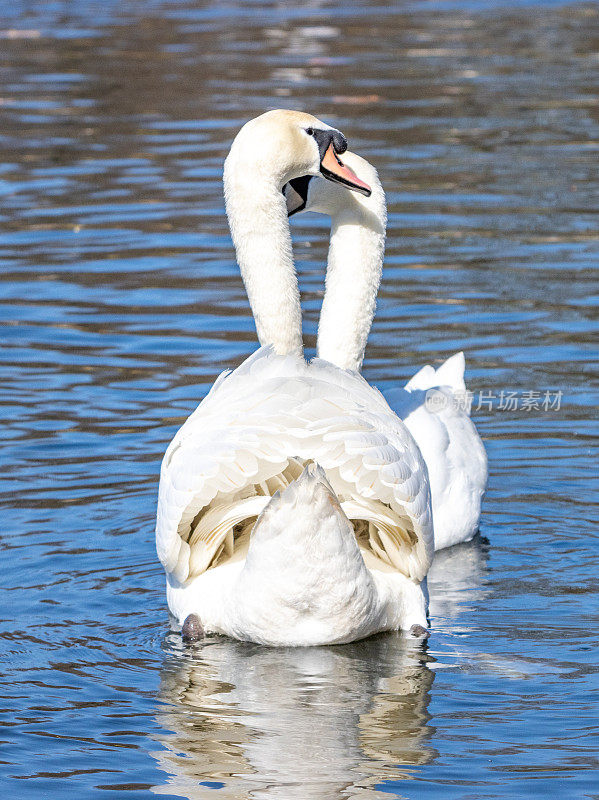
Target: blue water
[121,302]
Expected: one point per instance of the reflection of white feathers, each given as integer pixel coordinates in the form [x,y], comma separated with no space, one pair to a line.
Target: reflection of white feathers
[311,724]
[451,447]
[456,580]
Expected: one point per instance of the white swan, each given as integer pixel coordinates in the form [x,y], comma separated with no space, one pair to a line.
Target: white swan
[254,536]
[433,403]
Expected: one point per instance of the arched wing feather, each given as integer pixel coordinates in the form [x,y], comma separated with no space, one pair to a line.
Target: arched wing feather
[253,425]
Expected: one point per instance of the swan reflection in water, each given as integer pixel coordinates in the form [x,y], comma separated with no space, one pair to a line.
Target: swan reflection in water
[320,723]
[456,583]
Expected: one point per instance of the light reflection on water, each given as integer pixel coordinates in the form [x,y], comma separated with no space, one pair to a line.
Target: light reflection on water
[121,304]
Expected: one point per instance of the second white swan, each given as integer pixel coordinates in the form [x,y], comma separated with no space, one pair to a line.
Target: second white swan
[433,404]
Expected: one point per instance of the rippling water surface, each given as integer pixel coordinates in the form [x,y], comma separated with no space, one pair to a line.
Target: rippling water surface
[121,302]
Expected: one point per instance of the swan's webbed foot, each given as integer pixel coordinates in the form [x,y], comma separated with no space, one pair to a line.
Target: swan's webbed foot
[192,629]
[419,631]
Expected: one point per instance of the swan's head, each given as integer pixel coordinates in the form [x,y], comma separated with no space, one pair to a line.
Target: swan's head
[313,193]
[282,145]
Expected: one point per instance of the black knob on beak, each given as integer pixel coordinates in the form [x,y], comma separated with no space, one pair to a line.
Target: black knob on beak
[339,142]
[325,138]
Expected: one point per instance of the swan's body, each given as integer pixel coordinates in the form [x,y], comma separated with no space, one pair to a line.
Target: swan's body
[434,408]
[301,574]
[254,536]
[433,403]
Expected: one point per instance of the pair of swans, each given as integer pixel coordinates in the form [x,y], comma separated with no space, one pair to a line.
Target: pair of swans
[294,504]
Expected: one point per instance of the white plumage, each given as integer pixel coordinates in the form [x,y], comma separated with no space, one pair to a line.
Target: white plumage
[251,436]
[435,408]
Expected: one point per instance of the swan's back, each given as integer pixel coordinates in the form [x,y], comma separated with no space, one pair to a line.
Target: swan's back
[434,407]
[253,434]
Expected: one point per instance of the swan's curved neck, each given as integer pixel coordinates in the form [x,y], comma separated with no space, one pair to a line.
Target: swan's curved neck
[260,229]
[354,270]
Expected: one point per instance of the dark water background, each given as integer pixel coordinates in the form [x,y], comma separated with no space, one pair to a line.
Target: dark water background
[121,302]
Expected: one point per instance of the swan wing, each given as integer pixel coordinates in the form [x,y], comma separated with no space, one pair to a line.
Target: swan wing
[252,434]
[434,407]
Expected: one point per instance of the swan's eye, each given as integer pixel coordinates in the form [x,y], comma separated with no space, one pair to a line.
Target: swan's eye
[310,131]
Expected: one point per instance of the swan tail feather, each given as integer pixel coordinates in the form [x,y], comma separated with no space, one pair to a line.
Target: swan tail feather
[450,373]
[289,585]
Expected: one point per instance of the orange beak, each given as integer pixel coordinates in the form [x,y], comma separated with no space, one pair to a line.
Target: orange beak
[335,170]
